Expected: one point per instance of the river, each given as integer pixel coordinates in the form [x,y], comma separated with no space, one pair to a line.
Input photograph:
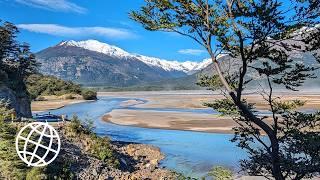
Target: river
[188,152]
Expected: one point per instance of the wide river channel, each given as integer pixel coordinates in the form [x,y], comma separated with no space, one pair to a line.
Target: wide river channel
[188,152]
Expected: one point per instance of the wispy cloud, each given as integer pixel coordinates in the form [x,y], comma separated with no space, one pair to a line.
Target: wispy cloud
[195,52]
[55,5]
[58,30]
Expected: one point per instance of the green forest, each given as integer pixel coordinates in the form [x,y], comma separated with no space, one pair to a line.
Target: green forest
[42,85]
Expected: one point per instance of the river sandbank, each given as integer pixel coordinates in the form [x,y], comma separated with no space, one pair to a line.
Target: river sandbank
[187,100]
[171,120]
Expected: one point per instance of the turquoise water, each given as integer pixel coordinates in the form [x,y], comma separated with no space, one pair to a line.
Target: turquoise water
[192,153]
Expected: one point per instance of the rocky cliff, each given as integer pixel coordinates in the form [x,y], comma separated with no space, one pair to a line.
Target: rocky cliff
[18,100]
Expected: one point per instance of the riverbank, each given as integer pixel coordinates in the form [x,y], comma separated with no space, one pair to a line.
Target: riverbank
[136,161]
[147,105]
[55,102]
[39,106]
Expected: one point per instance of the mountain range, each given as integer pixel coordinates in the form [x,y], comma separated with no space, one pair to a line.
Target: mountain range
[94,63]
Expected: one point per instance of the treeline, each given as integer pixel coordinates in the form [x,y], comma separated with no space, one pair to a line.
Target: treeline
[43,85]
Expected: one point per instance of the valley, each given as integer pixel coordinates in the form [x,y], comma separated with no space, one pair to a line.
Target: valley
[160,90]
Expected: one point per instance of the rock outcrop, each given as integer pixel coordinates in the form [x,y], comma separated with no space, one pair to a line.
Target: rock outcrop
[18,100]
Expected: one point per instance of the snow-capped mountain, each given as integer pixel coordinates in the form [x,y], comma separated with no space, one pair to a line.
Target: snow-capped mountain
[99,64]
[94,45]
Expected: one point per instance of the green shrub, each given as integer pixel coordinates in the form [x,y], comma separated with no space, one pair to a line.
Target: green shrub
[99,147]
[220,173]
[42,85]
[60,169]
[76,127]
[5,111]
[89,94]
[11,167]
[36,173]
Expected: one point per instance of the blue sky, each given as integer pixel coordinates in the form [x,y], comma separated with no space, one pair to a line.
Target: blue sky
[44,23]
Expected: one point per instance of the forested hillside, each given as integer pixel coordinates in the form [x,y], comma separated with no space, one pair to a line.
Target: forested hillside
[42,85]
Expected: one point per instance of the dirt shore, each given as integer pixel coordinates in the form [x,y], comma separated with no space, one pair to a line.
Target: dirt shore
[187,100]
[38,106]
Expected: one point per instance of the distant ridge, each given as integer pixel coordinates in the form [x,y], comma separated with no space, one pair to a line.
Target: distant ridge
[94,63]
[114,51]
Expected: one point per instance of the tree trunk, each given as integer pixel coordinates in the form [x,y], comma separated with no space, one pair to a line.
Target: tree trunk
[276,169]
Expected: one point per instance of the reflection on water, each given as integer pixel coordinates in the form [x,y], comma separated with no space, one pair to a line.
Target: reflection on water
[192,153]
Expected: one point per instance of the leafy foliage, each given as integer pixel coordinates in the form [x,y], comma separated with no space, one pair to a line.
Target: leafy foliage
[77,127]
[211,83]
[220,173]
[39,85]
[267,38]
[16,60]
[89,94]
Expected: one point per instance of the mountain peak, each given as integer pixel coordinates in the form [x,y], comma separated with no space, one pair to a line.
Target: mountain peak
[114,51]
[97,46]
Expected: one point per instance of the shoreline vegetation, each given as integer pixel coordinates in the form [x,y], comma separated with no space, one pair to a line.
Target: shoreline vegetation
[41,87]
[49,92]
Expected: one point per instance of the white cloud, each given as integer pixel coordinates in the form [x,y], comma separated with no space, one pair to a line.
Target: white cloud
[195,52]
[58,30]
[55,5]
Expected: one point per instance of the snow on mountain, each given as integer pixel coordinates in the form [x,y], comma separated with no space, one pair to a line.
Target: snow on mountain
[94,45]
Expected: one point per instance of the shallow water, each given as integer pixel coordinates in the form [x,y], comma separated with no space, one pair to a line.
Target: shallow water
[192,153]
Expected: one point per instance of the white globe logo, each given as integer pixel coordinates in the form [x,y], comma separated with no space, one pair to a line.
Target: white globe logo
[38,144]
